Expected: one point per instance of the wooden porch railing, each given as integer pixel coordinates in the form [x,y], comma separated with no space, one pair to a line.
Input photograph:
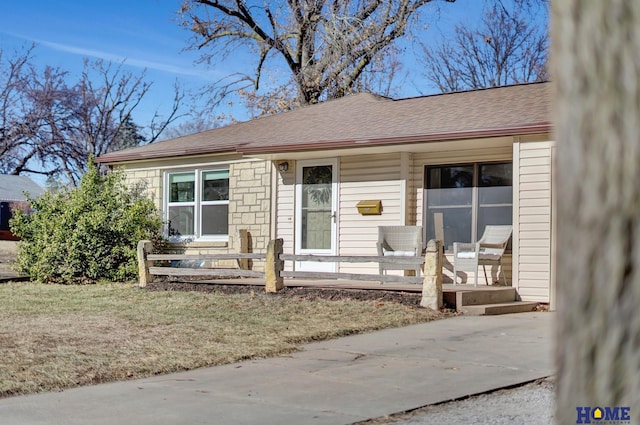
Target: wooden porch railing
[274,260]
[146,268]
[409,262]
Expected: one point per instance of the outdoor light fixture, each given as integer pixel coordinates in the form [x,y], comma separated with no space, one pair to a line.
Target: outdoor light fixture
[283,166]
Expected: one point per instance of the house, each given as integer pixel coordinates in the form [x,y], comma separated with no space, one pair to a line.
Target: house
[12,196]
[476,157]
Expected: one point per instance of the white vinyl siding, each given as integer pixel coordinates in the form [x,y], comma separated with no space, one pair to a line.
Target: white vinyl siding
[367,177]
[388,176]
[285,210]
[532,219]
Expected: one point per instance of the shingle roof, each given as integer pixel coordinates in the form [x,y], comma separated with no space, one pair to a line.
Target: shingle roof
[365,119]
[12,188]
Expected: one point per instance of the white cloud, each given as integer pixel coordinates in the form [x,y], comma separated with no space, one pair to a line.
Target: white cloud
[139,63]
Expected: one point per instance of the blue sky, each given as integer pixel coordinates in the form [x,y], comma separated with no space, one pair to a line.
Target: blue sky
[142,33]
[145,35]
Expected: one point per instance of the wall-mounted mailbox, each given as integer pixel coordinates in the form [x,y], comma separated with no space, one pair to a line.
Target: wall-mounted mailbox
[370,207]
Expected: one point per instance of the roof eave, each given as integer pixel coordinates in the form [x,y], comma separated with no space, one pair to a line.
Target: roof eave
[248,149]
[117,157]
[522,130]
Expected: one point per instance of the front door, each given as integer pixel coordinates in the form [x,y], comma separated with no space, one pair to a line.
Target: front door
[316,218]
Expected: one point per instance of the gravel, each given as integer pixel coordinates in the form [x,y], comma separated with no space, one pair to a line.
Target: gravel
[531,404]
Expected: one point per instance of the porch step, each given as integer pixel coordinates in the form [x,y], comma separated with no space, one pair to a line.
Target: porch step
[485,300]
[459,297]
[499,308]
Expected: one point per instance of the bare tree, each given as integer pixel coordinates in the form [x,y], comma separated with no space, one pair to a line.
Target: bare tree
[505,49]
[381,77]
[596,73]
[278,99]
[326,46]
[51,127]
[28,101]
[197,124]
[385,75]
[100,121]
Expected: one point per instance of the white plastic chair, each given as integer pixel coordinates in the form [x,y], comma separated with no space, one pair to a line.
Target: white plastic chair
[399,241]
[488,251]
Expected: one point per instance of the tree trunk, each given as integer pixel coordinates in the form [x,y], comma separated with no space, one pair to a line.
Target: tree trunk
[596,69]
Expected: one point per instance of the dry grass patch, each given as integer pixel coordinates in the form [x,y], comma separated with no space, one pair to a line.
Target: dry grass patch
[54,336]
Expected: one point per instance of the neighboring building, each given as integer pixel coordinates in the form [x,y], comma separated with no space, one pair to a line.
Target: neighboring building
[12,196]
[477,157]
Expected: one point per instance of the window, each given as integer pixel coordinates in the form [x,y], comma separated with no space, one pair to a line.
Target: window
[197,204]
[469,197]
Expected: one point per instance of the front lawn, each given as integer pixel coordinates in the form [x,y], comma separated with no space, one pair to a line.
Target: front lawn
[60,336]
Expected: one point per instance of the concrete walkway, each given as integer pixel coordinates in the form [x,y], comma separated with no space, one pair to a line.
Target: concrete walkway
[334,382]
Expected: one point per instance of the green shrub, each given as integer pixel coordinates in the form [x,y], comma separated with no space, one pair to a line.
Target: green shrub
[89,232]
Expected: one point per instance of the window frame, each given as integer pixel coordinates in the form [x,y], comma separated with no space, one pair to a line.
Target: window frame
[198,203]
[475,197]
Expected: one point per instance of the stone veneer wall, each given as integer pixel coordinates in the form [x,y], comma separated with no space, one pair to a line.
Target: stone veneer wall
[250,204]
[150,181]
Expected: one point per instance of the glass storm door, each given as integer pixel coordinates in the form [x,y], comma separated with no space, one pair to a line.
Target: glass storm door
[316,221]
